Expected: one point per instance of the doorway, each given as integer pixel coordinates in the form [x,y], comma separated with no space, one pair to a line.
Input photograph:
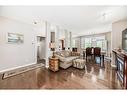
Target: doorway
[40,49]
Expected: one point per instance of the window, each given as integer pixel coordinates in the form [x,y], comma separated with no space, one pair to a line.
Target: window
[82,42]
[73,43]
[99,44]
[88,42]
[98,41]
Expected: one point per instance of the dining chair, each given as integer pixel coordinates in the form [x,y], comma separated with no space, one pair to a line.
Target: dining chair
[97,53]
[88,52]
[74,49]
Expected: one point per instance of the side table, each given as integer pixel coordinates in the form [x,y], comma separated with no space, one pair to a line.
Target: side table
[54,64]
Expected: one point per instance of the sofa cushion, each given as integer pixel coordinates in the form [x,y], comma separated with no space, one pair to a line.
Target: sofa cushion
[65,65]
[65,53]
[57,53]
[60,57]
[71,58]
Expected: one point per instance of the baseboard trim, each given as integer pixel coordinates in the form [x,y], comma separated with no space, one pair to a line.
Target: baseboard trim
[20,69]
[17,67]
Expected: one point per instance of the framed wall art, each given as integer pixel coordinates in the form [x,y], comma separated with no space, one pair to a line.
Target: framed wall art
[15,38]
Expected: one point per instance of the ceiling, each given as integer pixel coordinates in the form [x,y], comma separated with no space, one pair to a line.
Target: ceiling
[80,20]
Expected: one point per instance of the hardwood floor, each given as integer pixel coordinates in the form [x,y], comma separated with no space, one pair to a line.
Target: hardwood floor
[93,77]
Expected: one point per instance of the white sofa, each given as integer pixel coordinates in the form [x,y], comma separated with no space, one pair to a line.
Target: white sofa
[66,58]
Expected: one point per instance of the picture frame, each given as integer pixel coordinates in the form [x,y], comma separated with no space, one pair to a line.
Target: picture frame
[15,38]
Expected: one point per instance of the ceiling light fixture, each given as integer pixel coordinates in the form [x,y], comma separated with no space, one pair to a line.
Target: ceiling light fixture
[106,16]
[35,22]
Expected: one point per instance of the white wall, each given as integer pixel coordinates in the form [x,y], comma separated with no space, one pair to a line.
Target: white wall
[40,29]
[117,29]
[12,55]
[108,38]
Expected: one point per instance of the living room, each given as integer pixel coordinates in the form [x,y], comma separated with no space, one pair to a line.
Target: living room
[60,42]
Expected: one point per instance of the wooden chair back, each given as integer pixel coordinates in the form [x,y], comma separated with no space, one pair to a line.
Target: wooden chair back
[88,51]
[97,51]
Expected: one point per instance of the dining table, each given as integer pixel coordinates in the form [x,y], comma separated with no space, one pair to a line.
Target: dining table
[102,55]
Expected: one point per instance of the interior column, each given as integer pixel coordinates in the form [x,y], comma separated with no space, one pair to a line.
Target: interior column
[70,40]
[66,40]
[47,29]
[57,38]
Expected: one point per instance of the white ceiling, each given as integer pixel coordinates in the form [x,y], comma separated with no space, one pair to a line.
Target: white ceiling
[80,20]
